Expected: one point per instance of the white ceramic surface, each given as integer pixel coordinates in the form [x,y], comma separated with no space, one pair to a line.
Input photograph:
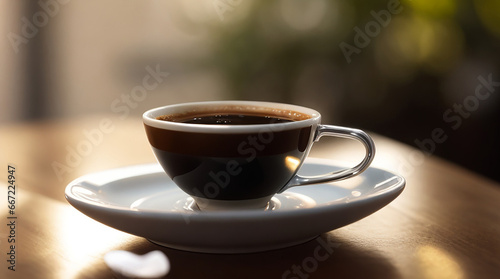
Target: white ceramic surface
[142,200]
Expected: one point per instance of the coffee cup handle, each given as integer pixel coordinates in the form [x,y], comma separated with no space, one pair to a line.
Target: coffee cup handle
[343,132]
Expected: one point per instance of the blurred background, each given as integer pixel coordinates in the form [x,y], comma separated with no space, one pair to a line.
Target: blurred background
[401,69]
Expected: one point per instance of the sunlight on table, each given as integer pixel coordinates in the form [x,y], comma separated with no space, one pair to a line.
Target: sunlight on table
[436,263]
[80,238]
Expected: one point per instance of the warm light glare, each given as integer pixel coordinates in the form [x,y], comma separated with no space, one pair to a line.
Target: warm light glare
[83,241]
[292,163]
[438,264]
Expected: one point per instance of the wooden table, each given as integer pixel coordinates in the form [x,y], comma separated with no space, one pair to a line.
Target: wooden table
[446,224]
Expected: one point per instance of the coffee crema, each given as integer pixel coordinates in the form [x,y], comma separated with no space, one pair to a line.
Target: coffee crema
[235,116]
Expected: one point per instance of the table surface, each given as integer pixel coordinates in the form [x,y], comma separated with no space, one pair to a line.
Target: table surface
[445,224]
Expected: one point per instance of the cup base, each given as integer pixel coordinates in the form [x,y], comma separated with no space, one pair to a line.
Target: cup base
[225,205]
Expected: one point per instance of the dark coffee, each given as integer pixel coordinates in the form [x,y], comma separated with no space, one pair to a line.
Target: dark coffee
[233,119]
[235,116]
[231,166]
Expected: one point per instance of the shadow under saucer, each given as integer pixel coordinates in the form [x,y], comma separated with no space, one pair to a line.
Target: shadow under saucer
[326,256]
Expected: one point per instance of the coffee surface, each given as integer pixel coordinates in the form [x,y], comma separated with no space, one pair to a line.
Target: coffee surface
[235,116]
[233,119]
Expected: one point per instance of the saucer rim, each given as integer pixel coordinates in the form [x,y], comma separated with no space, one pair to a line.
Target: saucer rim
[394,191]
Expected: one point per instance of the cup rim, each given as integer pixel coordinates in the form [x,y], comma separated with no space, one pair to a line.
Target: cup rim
[149,117]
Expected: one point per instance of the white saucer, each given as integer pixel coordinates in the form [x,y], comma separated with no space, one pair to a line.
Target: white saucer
[142,200]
